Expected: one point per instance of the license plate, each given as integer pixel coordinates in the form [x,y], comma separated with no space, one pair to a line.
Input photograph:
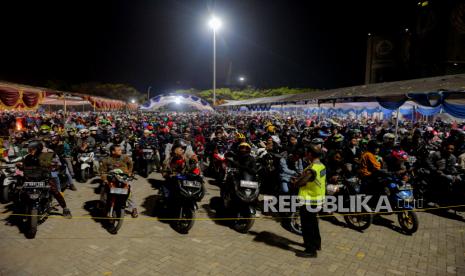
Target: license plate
[193,184]
[249,184]
[147,150]
[35,185]
[119,191]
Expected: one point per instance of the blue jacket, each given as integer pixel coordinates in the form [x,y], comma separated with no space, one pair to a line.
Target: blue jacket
[285,173]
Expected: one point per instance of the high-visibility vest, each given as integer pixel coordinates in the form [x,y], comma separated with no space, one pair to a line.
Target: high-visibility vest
[313,193]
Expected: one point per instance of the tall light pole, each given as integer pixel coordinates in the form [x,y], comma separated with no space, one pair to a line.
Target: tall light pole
[214,24]
[148,93]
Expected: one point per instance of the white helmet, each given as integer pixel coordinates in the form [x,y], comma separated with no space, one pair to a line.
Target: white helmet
[84,130]
[388,136]
[93,128]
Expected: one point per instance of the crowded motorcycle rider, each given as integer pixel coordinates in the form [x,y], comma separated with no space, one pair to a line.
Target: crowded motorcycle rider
[118,160]
[243,160]
[178,161]
[370,165]
[85,142]
[442,164]
[43,161]
[58,147]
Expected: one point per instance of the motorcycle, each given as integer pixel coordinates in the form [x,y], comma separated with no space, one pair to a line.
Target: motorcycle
[401,199]
[440,193]
[187,191]
[85,166]
[240,195]
[219,165]
[35,199]
[8,177]
[145,160]
[115,196]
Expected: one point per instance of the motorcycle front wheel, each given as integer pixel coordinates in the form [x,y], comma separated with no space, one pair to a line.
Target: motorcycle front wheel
[408,221]
[358,222]
[115,221]
[295,224]
[32,222]
[186,221]
[244,222]
[5,194]
[85,174]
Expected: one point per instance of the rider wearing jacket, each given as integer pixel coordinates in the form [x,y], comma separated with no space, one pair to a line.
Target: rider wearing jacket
[118,160]
[38,160]
[442,164]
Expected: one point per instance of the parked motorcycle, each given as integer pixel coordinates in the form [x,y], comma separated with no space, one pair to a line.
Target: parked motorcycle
[145,160]
[219,165]
[114,199]
[187,190]
[8,177]
[240,195]
[35,199]
[401,200]
[85,166]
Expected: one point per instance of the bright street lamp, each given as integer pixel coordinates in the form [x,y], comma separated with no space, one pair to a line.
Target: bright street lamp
[242,79]
[215,24]
[133,101]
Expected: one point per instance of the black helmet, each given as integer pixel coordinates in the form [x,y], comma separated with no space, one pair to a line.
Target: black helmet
[179,143]
[372,145]
[36,145]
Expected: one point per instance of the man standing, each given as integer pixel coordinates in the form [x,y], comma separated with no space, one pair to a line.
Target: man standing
[312,190]
[118,160]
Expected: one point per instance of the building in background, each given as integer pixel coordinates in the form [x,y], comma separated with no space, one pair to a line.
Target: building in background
[434,45]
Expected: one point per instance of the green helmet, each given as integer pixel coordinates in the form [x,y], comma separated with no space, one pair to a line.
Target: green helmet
[45,127]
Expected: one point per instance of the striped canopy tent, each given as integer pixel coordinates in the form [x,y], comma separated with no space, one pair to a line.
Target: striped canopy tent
[24,97]
[164,100]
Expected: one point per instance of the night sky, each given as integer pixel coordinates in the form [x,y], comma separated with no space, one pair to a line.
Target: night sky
[168,45]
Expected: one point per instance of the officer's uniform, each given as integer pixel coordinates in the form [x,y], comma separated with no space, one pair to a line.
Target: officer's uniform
[313,194]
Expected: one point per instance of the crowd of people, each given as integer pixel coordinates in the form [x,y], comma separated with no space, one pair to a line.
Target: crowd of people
[288,153]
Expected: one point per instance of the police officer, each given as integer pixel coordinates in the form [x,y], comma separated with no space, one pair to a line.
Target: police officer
[312,186]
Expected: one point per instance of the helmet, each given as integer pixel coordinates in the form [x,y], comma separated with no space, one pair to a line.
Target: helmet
[93,128]
[245,146]
[241,145]
[104,122]
[271,128]
[44,129]
[399,154]
[388,136]
[179,143]
[37,145]
[84,131]
[372,145]
[19,135]
[55,138]
[240,136]
[317,141]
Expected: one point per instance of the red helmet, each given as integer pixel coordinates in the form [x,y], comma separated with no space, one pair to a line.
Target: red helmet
[399,155]
[150,127]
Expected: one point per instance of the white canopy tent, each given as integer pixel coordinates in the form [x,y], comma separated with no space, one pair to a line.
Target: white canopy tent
[163,101]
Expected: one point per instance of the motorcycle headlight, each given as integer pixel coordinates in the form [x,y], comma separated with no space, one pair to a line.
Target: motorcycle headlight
[34,196]
[405,195]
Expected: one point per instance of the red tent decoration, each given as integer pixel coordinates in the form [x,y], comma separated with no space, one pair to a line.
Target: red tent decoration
[16,98]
